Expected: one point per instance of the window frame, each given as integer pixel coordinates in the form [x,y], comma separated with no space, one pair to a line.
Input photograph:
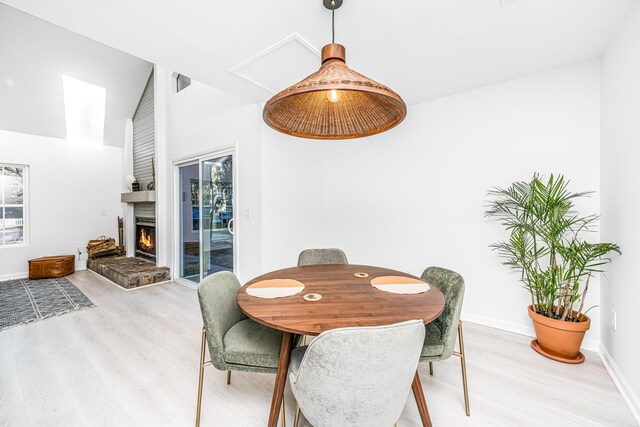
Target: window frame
[25,207]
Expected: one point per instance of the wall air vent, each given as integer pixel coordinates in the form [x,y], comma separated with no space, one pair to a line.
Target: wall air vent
[182,82]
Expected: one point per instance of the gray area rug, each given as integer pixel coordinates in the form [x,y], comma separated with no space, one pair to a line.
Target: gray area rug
[24,301]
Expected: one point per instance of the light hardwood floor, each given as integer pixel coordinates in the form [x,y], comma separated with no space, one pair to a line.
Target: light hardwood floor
[133,360]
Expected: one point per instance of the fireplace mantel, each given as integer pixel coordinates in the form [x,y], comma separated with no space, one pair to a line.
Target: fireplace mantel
[138,197]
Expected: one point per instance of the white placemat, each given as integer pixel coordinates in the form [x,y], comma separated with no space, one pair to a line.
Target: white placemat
[399,285]
[275,288]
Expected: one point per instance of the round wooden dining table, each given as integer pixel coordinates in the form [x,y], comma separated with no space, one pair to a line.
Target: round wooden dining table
[346,300]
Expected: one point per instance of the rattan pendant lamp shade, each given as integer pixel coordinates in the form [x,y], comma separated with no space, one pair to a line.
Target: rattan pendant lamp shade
[335,103]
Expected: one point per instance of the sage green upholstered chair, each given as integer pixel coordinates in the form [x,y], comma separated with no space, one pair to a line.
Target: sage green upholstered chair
[322,256]
[440,336]
[236,343]
[357,377]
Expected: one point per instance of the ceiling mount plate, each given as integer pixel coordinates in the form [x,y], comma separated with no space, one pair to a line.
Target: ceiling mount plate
[328,5]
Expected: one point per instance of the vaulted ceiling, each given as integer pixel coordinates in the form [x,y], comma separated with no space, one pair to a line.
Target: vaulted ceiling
[423,49]
[34,57]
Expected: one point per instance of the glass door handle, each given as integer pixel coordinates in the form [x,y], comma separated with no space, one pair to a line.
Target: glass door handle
[229,226]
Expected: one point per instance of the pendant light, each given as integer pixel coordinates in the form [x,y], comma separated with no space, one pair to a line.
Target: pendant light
[334,102]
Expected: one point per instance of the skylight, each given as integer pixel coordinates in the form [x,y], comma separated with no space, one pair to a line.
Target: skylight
[84,108]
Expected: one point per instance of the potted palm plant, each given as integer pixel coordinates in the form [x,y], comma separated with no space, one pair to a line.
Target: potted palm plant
[546,246]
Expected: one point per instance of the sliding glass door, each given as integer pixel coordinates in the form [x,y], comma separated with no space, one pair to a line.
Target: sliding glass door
[217,206]
[190,222]
[206,241]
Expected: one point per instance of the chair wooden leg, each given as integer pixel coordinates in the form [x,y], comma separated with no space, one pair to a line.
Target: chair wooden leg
[228,377]
[201,375]
[430,368]
[463,366]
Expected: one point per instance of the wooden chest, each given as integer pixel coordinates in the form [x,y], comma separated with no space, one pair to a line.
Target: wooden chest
[51,266]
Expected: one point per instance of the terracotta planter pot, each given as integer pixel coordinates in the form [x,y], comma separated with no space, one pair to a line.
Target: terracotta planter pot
[559,340]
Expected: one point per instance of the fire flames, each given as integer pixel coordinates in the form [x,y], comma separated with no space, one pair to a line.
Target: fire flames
[145,239]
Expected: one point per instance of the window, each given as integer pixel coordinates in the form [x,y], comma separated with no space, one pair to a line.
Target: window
[13,200]
[84,111]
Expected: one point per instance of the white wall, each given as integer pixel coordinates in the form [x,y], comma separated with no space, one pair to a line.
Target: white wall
[292,199]
[415,196]
[202,119]
[70,186]
[620,203]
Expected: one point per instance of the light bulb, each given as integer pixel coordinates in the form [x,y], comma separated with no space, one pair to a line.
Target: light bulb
[333,95]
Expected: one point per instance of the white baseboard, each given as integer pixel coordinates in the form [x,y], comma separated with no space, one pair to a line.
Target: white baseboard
[627,393]
[591,345]
[22,275]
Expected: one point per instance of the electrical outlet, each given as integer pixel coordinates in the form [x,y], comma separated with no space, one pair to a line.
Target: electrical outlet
[81,253]
[614,320]
[247,214]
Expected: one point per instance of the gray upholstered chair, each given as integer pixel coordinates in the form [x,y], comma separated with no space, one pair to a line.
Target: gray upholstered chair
[322,256]
[440,336]
[356,377]
[236,343]
[317,257]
